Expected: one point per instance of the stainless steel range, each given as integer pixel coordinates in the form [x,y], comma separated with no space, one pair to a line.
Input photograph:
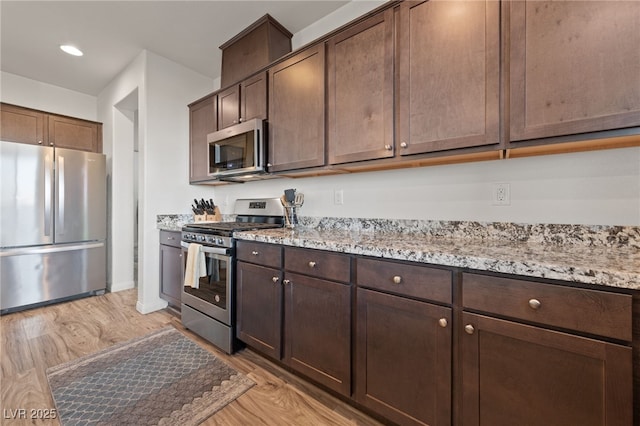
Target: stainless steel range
[209,310]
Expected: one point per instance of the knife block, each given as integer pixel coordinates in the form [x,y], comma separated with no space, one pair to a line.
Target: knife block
[215,217]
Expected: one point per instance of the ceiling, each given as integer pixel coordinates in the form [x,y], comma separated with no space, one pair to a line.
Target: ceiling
[113,33]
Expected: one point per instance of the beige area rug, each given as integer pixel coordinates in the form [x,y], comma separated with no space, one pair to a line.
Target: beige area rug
[163,378]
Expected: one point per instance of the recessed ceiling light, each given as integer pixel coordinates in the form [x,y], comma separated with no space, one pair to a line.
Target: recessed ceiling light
[71,50]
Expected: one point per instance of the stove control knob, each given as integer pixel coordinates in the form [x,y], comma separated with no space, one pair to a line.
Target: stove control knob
[220,241]
[200,237]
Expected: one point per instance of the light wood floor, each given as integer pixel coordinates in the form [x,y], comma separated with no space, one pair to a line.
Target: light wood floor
[31,341]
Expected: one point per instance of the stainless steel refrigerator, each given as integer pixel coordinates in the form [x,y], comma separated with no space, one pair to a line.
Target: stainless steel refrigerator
[53,218]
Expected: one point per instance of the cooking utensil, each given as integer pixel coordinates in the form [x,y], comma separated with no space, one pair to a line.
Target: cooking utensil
[290,195]
[299,199]
[286,206]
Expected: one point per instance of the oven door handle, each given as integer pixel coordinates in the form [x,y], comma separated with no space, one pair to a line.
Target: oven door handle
[213,250]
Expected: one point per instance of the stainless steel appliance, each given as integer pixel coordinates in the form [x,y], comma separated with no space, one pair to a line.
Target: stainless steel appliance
[238,153]
[209,310]
[53,217]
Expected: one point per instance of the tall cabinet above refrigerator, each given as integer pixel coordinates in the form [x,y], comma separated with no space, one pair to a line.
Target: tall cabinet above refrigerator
[53,224]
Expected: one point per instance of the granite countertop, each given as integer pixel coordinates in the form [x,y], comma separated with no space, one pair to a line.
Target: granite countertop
[616,265]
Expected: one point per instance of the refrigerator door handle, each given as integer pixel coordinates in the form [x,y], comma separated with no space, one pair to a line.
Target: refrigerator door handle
[48,193]
[61,195]
[55,248]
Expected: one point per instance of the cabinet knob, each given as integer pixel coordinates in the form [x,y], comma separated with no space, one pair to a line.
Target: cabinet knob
[469,329]
[285,282]
[51,143]
[255,253]
[269,165]
[404,144]
[387,147]
[397,279]
[535,304]
[275,279]
[39,142]
[442,322]
[312,264]
[180,255]
[241,119]
[234,122]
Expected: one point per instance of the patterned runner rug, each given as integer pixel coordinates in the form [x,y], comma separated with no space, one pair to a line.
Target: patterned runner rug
[163,378]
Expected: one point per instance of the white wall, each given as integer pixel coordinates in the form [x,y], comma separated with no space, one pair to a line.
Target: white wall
[25,92]
[159,91]
[598,187]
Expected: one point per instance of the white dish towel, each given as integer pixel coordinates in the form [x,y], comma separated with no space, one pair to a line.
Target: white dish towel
[196,266]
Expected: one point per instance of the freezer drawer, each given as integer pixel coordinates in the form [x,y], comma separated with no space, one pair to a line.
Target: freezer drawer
[41,274]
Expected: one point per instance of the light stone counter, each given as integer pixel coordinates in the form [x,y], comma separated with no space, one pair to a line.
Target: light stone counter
[600,255]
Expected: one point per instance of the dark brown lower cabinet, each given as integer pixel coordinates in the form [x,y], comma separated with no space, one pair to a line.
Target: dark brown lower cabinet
[403,358]
[517,374]
[171,278]
[259,308]
[318,330]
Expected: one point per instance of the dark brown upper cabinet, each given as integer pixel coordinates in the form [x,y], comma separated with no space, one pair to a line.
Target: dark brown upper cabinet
[202,121]
[360,91]
[449,75]
[296,111]
[73,133]
[243,101]
[24,125]
[253,48]
[574,67]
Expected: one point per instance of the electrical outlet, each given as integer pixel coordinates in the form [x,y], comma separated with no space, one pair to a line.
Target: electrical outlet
[501,194]
[338,197]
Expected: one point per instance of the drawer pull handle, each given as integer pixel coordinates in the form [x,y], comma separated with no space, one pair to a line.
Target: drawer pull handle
[397,279]
[442,322]
[170,238]
[469,329]
[312,264]
[275,279]
[535,304]
[285,282]
[255,253]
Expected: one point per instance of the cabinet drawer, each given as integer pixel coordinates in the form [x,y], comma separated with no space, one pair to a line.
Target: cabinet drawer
[260,253]
[589,311]
[170,238]
[330,266]
[407,280]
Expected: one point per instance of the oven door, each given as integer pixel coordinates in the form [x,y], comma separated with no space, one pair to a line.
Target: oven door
[214,295]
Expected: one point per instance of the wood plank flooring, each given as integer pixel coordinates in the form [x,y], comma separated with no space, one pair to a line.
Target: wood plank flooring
[34,340]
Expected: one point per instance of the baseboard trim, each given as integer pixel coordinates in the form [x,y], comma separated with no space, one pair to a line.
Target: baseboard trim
[151,307]
[122,285]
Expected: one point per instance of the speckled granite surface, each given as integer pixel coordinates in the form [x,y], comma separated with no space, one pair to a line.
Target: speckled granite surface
[172,222]
[600,255]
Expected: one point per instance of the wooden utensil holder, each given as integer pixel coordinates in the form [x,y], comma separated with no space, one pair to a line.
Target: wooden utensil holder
[216,217]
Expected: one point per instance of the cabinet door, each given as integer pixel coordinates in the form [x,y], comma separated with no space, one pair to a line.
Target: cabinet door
[229,107]
[360,91]
[22,125]
[253,95]
[318,330]
[171,279]
[71,133]
[296,111]
[574,67]
[515,374]
[403,358]
[259,308]
[202,121]
[449,75]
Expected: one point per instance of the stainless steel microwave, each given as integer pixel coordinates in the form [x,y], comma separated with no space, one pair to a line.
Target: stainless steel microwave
[237,151]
